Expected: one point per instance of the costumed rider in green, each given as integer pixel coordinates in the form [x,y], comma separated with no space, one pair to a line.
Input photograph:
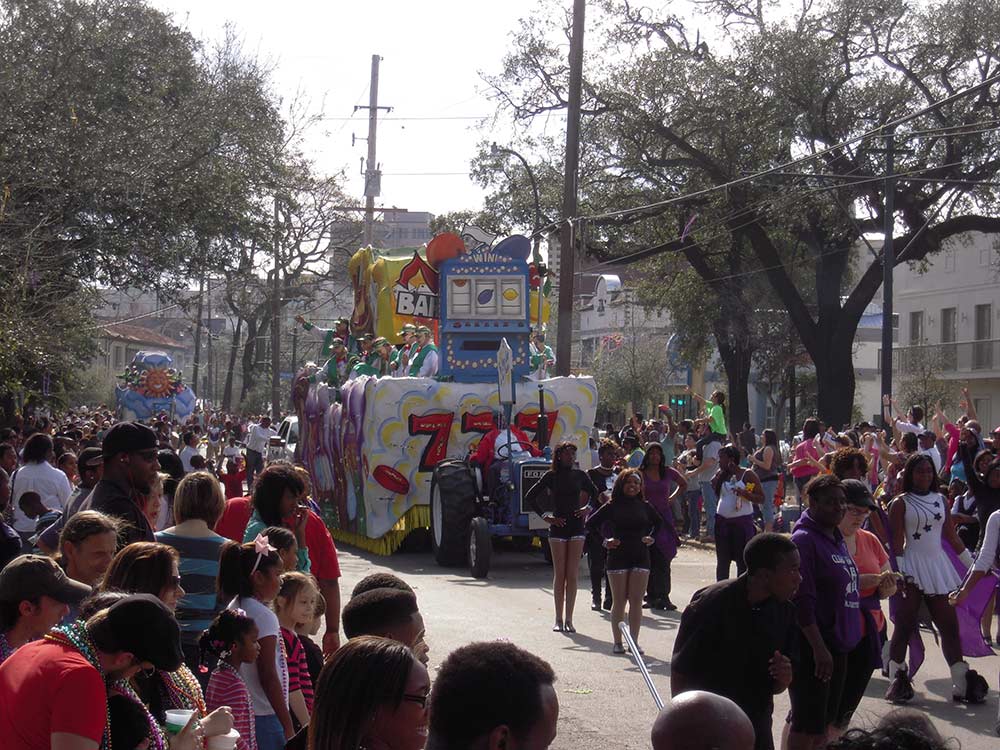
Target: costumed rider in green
[424,355]
[341,330]
[542,358]
[337,367]
[378,362]
[399,363]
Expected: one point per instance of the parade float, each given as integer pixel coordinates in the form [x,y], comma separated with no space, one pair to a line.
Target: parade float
[152,385]
[371,444]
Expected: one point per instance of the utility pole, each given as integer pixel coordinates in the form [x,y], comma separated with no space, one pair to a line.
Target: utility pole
[567,239]
[276,322]
[197,336]
[295,360]
[372,173]
[888,261]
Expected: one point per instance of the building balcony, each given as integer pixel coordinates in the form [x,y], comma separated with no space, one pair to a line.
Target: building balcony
[962,359]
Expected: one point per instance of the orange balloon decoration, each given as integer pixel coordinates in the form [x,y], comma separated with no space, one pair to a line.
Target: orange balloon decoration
[443,247]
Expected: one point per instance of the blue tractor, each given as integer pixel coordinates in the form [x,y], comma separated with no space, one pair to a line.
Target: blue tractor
[469,508]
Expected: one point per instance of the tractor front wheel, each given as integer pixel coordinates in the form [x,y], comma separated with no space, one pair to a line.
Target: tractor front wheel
[480,547]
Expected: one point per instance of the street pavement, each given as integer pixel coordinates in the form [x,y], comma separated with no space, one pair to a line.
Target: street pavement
[604,702]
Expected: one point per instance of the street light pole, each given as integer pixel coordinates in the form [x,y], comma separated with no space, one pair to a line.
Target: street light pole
[494,150]
[888,261]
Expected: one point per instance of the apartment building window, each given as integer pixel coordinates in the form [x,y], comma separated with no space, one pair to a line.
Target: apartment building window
[949,261]
[949,334]
[982,353]
[916,327]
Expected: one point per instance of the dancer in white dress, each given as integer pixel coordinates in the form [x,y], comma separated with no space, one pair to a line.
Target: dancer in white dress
[918,519]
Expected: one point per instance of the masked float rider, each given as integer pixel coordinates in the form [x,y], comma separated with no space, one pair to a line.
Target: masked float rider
[337,367]
[424,357]
[542,358]
[378,361]
[340,330]
[401,357]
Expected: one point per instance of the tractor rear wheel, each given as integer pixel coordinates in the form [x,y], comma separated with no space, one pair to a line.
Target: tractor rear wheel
[480,547]
[453,496]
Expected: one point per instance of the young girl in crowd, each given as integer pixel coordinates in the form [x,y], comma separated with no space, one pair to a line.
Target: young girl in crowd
[314,654]
[232,639]
[233,479]
[293,557]
[294,605]
[249,575]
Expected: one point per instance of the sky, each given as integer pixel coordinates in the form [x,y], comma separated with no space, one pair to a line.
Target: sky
[432,54]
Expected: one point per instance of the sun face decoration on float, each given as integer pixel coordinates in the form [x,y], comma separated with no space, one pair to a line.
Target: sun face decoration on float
[152,385]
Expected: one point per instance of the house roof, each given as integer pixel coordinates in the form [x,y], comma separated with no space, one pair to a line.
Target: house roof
[139,335]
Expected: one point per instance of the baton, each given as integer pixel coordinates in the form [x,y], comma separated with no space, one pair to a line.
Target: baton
[634,650]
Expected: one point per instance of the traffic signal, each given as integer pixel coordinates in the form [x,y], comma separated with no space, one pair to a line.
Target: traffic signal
[677,402]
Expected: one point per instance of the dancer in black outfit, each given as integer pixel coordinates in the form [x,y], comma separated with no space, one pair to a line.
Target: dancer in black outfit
[603,477]
[629,525]
[570,490]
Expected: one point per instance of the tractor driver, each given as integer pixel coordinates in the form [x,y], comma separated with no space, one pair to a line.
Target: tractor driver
[493,446]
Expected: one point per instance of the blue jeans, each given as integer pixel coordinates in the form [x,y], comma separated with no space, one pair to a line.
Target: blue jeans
[767,509]
[270,735]
[709,501]
[693,497]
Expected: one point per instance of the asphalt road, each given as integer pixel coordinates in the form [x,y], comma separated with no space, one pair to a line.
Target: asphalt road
[603,699]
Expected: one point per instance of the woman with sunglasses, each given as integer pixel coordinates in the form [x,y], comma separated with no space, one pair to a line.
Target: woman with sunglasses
[152,568]
[371,694]
[876,581]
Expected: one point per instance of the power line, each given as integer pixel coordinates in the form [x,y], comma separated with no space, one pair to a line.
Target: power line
[874,133]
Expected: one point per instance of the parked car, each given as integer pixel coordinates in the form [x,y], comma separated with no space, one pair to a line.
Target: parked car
[289,433]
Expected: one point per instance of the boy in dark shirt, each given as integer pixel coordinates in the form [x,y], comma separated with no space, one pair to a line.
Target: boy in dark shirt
[737,638]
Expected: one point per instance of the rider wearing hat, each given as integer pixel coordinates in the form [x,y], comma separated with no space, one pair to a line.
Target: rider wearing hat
[424,359]
[401,356]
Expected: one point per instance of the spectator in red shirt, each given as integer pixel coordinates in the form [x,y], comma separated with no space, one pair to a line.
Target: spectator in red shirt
[52,693]
[35,595]
[233,478]
[278,500]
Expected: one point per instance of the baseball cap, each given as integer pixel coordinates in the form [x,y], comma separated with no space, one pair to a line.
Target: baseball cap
[423,329]
[30,576]
[407,328]
[380,341]
[336,342]
[128,437]
[928,434]
[858,494]
[143,625]
[89,458]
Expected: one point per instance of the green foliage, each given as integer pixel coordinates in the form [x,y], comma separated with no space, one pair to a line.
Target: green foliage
[669,120]
[130,155]
[635,373]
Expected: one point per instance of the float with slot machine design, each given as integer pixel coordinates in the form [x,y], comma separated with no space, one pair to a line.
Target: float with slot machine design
[378,455]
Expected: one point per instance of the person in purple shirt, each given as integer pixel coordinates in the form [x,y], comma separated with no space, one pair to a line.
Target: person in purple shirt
[827,607]
[661,485]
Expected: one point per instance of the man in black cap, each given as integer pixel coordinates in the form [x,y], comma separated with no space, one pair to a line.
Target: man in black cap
[35,595]
[130,465]
[52,692]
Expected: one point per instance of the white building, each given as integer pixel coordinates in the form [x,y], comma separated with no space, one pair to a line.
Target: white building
[947,311]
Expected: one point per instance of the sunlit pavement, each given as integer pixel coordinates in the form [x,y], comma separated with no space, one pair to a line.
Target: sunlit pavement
[603,699]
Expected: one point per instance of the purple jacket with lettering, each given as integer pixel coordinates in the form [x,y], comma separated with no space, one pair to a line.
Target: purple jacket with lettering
[828,594]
